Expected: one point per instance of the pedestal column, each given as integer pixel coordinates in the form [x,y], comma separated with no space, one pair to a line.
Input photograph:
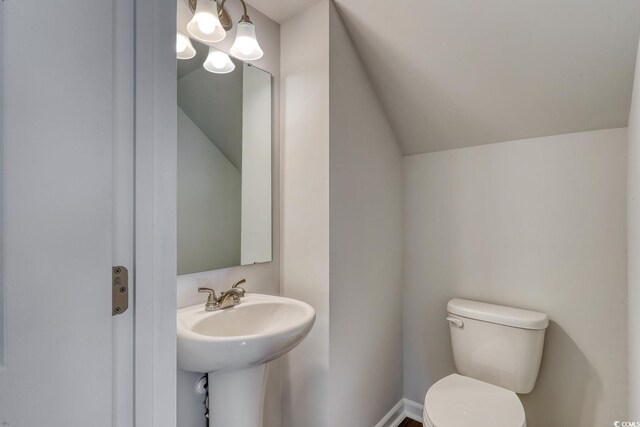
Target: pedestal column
[236,398]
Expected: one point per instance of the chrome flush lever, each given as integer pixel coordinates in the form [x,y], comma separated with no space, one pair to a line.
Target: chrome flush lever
[455,321]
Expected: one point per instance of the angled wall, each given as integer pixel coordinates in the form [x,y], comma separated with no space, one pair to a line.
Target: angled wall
[208,187]
[365,331]
[341,229]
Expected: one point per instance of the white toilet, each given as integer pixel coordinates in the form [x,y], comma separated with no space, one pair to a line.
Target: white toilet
[497,352]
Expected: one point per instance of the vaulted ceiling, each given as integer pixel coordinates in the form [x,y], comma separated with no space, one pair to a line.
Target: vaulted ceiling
[213,102]
[453,74]
[281,10]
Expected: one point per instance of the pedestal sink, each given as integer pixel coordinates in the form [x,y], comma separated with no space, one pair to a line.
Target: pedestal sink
[233,346]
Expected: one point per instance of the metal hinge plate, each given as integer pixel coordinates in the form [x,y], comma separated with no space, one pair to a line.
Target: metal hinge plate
[120,289]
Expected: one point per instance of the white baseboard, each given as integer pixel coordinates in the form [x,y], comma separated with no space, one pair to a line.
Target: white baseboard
[413,410]
[394,417]
[405,408]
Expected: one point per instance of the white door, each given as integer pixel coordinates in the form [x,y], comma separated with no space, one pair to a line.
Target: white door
[60,235]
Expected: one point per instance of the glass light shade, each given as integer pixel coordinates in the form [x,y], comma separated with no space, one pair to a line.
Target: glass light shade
[205,24]
[246,45]
[184,48]
[218,62]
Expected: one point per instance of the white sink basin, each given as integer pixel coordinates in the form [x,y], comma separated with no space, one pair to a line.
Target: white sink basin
[233,346]
[259,330]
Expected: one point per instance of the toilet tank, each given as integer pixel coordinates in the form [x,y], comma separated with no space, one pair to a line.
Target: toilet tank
[497,344]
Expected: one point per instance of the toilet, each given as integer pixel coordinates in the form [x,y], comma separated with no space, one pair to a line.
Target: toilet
[497,352]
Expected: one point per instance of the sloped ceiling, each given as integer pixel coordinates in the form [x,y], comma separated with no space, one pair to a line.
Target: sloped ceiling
[460,73]
[213,102]
[281,10]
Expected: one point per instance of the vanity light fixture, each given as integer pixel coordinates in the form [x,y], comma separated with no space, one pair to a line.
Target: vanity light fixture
[210,23]
[184,48]
[218,62]
[246,45]
[205,24]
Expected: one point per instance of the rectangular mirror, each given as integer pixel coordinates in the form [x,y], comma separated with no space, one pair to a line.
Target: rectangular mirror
[224,165]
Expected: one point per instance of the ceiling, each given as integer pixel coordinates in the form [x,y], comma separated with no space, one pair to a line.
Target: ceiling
[453,74]
[281,10]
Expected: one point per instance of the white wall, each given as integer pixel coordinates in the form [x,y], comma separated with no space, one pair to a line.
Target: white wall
[209,188]
[263,278]
[256,166]
[537,224]
[365,244]
[305,209]
[633,218]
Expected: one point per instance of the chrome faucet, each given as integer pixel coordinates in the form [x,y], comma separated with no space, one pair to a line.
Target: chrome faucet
[227,299]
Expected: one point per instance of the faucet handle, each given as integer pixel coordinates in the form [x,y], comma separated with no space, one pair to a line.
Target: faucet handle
[212,300]
[212,294]
[239,282]
[237,285]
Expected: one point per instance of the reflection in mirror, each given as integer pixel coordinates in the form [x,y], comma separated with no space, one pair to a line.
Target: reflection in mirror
[224,165]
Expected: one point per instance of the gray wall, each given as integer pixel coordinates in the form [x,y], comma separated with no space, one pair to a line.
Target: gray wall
[208,202]
[537,224]
[633,199]
[365,333]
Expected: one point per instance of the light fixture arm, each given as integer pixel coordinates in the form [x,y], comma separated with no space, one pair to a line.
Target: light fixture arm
[224,16]
[245,15]
[222,6]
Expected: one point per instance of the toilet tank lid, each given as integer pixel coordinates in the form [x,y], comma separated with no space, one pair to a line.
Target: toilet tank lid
[502,315]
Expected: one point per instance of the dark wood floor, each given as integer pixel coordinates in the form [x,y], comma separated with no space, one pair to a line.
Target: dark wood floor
[408,422]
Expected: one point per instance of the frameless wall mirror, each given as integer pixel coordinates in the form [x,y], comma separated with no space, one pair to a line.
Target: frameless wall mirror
[224,162]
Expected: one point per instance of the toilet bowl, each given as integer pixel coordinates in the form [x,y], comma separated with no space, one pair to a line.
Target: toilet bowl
[459,401]
[497,352]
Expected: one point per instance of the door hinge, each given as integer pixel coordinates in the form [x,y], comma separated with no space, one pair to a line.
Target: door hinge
[120,289]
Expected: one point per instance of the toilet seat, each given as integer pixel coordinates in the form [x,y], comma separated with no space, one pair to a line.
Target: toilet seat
[459,401]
